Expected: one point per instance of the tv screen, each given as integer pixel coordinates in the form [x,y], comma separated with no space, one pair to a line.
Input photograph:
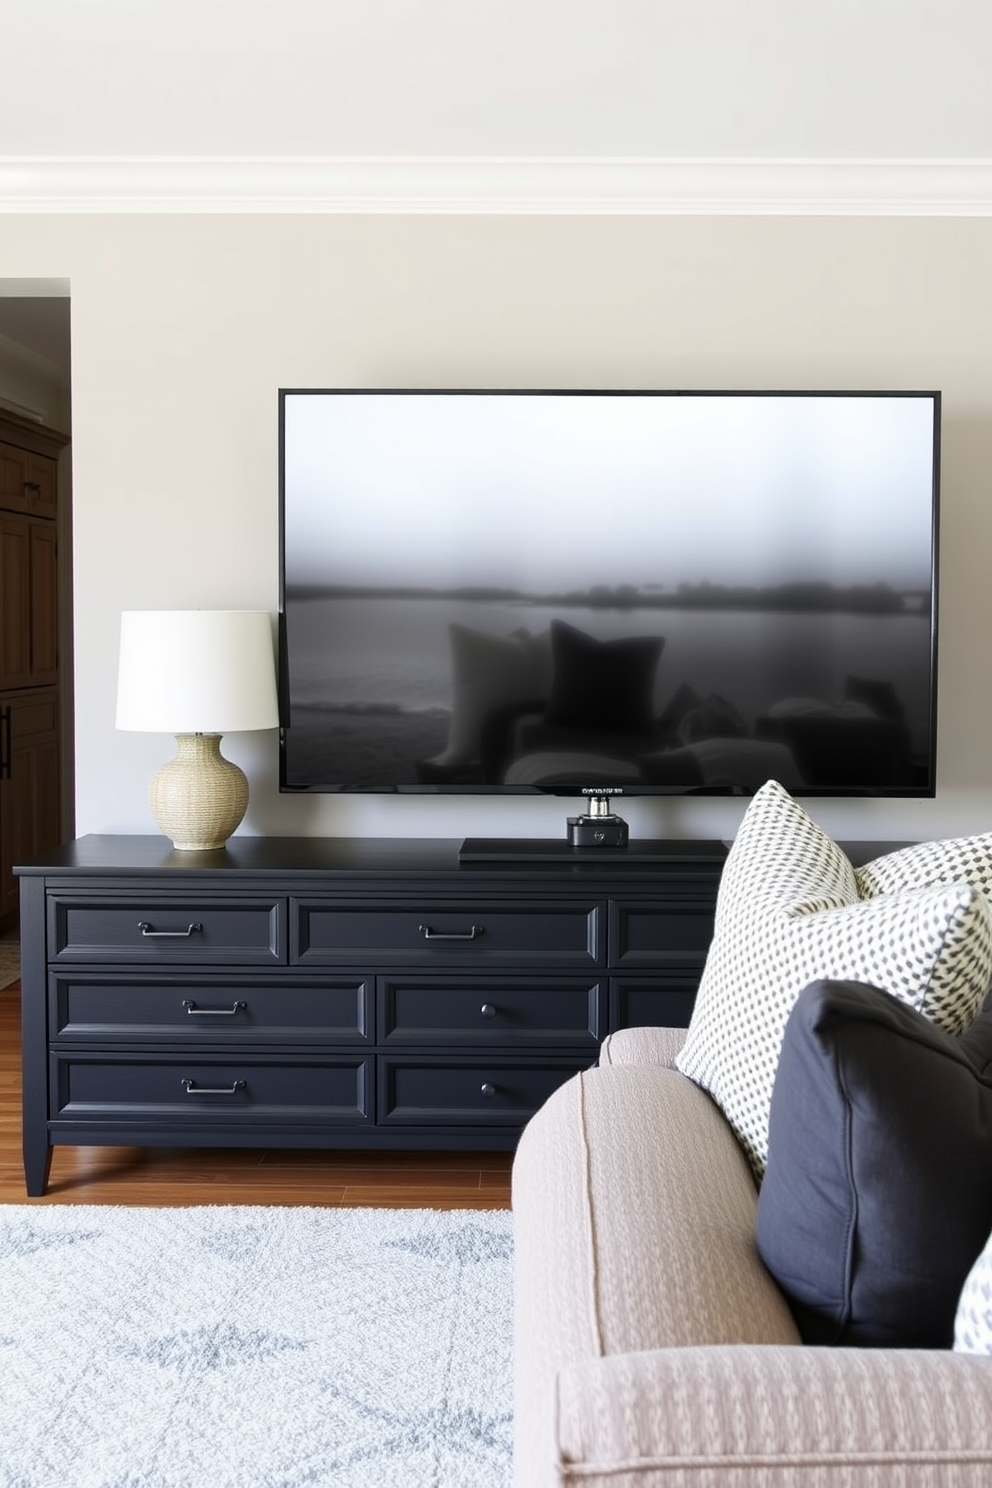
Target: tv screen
[626,592]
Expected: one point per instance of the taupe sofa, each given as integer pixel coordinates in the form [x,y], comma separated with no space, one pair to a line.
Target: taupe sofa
[652,1348]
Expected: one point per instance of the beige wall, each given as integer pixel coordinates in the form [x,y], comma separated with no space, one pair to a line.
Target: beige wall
[183,327]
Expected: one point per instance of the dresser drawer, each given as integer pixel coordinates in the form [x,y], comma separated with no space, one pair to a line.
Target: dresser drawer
[241,931]
[653,1002]
[446,1092]
[501,1012]
[438,933]
[109,1008]
[649,936]
[207,1092]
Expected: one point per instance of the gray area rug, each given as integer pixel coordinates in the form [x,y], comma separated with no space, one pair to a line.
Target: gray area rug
[242,1347]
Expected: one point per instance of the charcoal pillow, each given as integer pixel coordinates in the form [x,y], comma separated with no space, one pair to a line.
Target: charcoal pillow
[877,1196]
[602,685]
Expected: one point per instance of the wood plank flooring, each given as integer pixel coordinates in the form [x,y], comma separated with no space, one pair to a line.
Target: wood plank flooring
[179,1177]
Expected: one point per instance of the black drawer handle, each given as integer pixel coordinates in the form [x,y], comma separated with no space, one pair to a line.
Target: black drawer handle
[488,1089]
[191,1088]
[470,934]
[151,934]
[194,1012]
[487,1010]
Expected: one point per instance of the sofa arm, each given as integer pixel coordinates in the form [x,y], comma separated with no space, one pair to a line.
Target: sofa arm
[643,1046]
[751,1416]
[634,1213]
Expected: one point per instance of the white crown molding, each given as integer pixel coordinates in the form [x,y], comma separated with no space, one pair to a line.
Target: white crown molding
[622,186]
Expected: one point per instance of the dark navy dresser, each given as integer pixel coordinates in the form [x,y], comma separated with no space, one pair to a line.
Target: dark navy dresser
[314,992]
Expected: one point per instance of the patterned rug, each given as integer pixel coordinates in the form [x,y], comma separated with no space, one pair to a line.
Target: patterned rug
[240,1347]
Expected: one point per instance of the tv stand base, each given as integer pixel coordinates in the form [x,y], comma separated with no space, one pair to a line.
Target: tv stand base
[600,827]
[555,850]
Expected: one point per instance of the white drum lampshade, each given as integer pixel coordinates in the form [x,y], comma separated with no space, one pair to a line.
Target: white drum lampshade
[197,674]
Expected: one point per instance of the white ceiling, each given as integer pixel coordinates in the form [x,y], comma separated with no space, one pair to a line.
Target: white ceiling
[661,79]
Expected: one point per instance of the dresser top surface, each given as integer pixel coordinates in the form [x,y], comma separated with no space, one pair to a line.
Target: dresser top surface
[414,856]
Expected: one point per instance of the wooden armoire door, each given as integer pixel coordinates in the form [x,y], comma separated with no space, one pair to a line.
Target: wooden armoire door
[30,749]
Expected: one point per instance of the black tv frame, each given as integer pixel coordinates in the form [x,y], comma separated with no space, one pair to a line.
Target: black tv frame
[593,788]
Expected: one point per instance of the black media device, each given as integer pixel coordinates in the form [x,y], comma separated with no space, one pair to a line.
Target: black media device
[608,593]
[598,827]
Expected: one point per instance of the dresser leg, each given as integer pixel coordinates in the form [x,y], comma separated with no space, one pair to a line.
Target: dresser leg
[37,1164]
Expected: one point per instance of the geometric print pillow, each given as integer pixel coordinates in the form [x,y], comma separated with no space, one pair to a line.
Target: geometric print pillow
[973,1322]
[788,913]
[954,860]
[781,857]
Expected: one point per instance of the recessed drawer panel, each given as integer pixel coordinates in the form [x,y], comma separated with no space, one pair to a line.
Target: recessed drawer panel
[111,1008]
[209,1092]
[646,936]
[34,715]
[426,1010]
[653,1002]
[242,931]
[439,934]
[495,1092]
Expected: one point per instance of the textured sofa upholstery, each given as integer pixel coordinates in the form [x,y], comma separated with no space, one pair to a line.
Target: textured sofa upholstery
[652,1348]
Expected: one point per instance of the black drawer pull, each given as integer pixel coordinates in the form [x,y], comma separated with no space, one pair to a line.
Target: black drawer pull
[488,1089]
[487,1010]
[151,934]
[430,934]
[191,1088]
[194,1012]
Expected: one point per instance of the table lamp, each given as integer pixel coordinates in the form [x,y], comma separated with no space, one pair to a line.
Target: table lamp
[197,674]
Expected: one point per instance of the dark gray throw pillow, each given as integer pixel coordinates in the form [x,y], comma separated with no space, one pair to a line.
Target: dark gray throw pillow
[877,1197]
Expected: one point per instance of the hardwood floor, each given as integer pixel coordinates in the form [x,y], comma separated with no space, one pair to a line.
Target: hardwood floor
[209,1175]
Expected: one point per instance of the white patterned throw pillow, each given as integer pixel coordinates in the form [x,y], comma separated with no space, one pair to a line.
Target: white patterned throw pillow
[953,860]
[973,1321]
[788,913]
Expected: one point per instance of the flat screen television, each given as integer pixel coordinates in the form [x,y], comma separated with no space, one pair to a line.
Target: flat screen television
[608,592]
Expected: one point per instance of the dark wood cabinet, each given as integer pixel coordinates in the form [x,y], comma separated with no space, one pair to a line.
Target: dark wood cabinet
[331,993]
[28,602]
[28,470]
[30,731]
[29,783]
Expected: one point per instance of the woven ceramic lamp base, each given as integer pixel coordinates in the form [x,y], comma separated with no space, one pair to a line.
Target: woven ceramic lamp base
[199,798]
